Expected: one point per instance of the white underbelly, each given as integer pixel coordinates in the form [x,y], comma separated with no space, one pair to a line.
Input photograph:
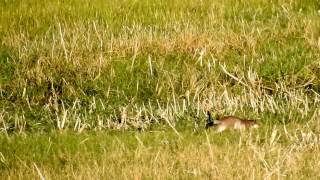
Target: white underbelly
[239,125]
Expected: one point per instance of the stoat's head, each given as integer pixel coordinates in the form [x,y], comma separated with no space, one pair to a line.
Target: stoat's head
[254,124]
[250,123]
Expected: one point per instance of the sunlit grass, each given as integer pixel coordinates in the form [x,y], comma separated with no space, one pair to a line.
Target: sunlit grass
[272,152]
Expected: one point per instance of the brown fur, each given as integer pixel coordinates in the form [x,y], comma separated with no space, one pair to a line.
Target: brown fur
[230,122]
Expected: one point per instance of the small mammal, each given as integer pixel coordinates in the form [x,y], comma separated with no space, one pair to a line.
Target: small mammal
[230,122]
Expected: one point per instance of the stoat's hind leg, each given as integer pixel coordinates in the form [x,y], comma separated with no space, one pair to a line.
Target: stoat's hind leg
[221,128]
[239,125]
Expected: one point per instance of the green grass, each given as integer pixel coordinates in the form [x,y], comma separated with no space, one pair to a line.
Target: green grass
[162,154]
[107,71]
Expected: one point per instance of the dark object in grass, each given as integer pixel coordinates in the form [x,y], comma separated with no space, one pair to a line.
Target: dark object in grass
[210,121]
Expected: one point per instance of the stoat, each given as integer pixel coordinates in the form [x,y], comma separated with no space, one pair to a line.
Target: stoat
[230,122]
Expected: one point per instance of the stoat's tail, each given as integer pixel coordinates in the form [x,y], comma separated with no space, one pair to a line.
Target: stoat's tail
[210,121]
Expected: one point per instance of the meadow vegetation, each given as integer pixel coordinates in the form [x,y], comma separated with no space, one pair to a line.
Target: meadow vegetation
[120,89]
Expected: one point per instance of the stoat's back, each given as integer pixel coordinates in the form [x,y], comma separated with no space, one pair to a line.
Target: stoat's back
[229,120]
[235,123]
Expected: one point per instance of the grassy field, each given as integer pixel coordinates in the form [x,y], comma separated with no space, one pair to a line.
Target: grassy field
[120,89]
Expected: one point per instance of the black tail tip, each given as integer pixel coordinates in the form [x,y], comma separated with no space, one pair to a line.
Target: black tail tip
[209,116]
[209,121]
[209,124]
